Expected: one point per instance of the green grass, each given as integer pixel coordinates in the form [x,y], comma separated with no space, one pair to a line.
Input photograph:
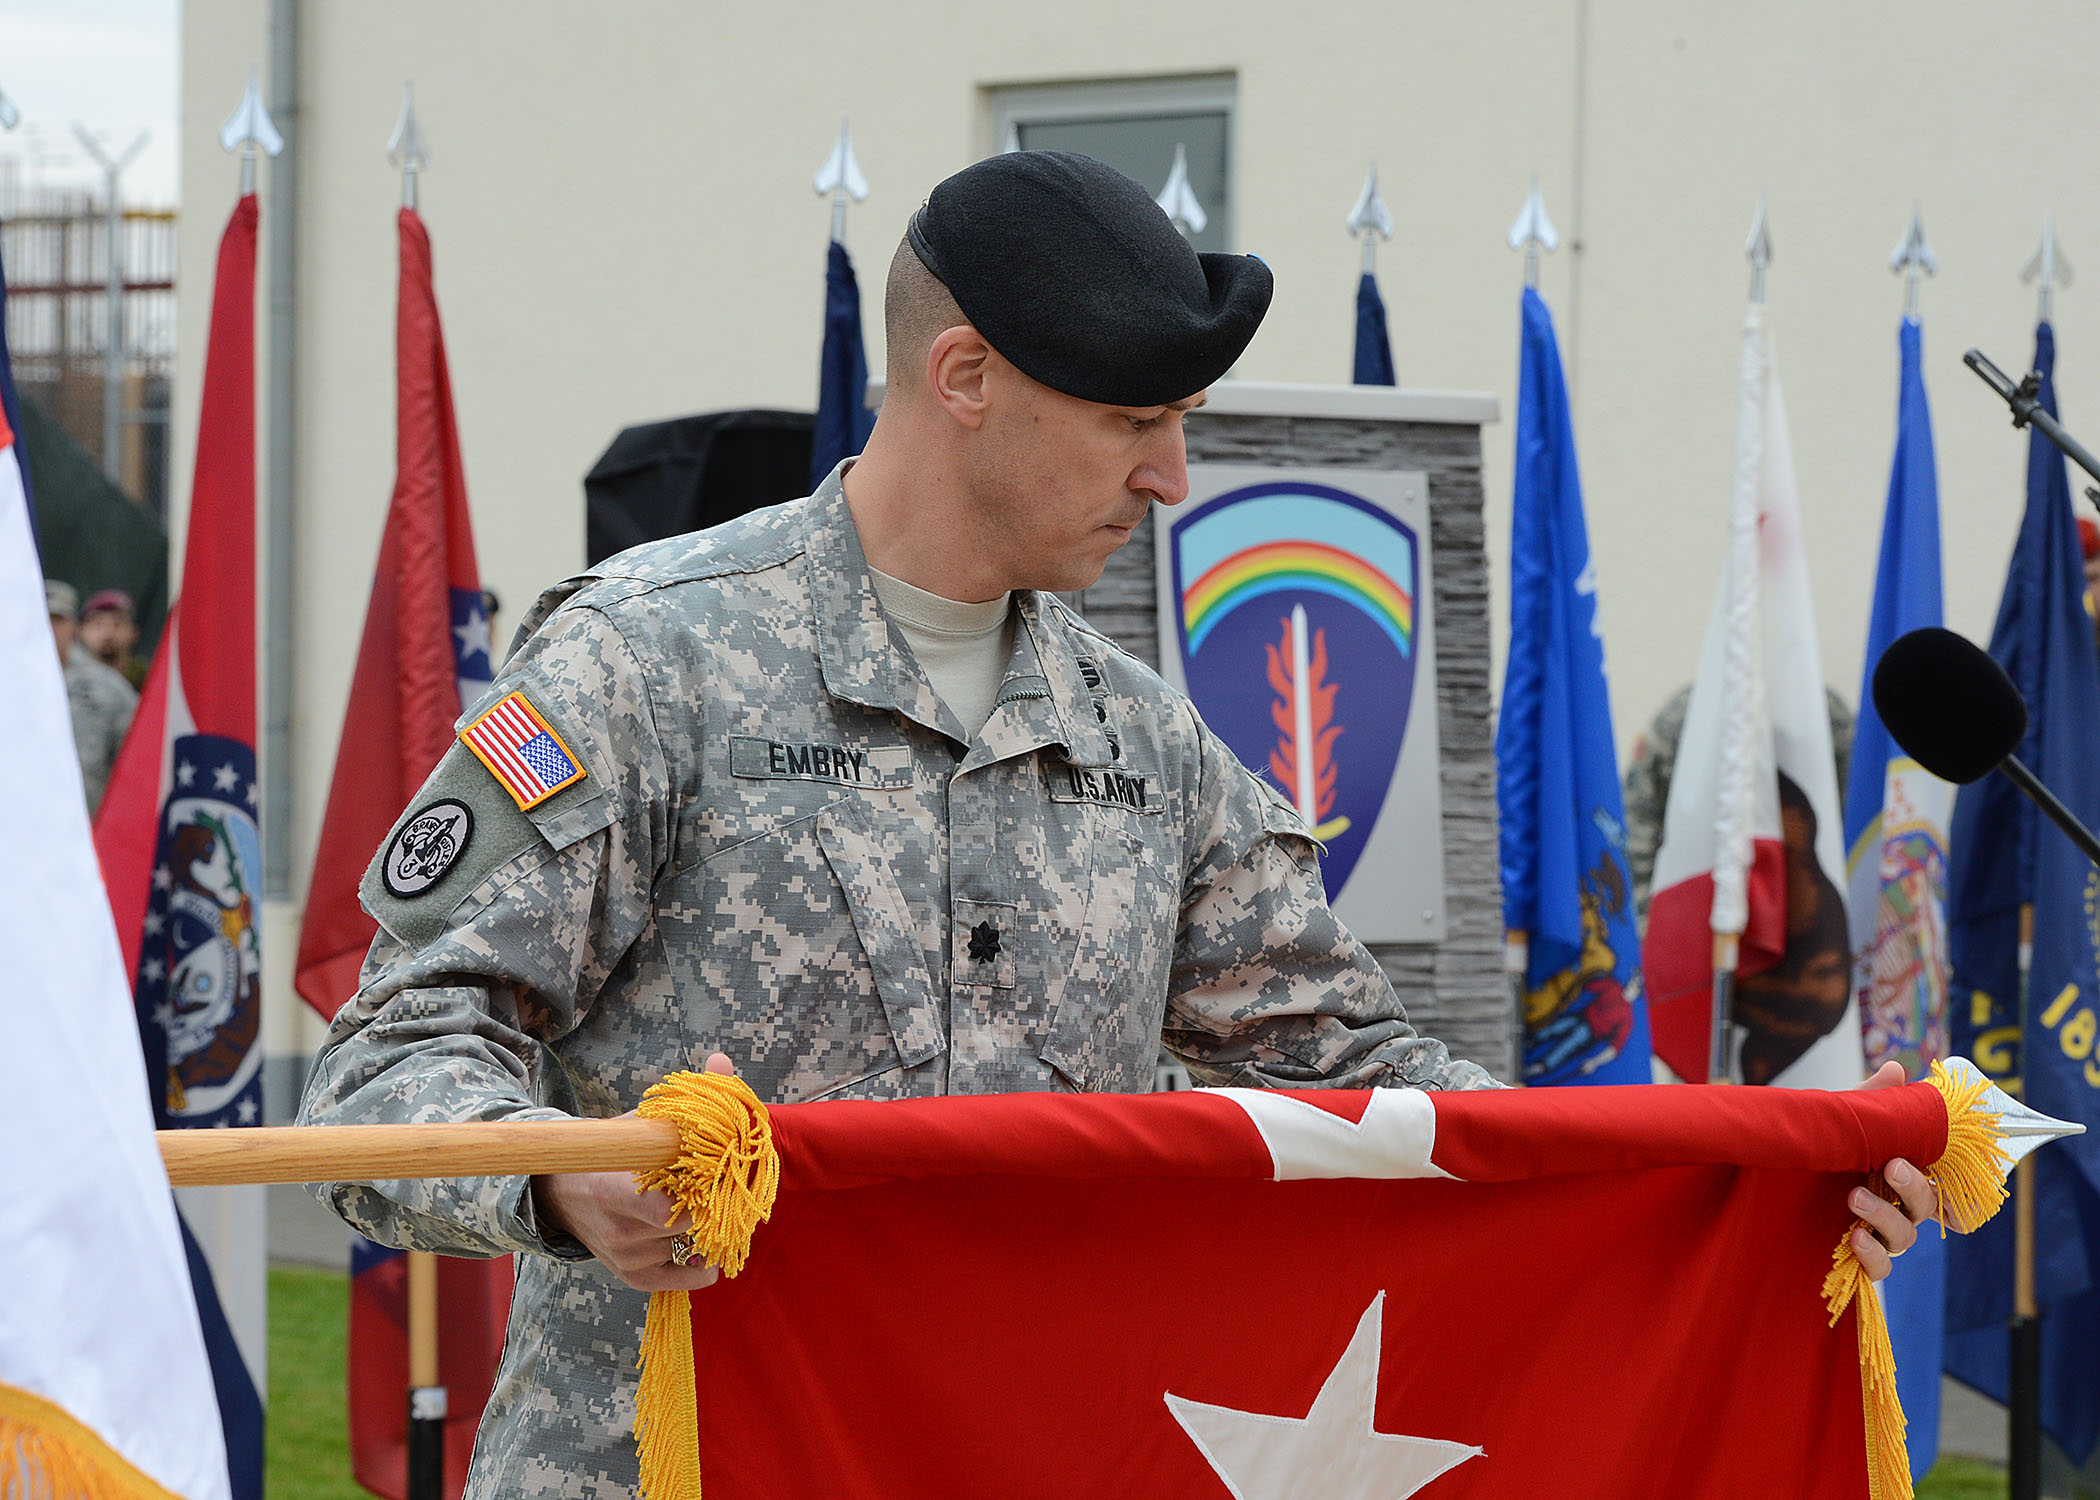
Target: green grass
[1963,1479]
[306,1453]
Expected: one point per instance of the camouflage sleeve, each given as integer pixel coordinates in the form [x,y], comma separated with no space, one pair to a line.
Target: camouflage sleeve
[1269,990]
[475,976]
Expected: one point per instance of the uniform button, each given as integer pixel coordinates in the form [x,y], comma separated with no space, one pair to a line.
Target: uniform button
[984,943]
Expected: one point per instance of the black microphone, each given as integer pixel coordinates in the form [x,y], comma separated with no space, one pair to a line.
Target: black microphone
[1957,714]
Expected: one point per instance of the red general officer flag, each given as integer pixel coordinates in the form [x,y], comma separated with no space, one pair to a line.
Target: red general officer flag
[1357,1296]
[424,657]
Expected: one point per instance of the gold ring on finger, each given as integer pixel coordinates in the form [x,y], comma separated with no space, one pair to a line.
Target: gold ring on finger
[681,1249]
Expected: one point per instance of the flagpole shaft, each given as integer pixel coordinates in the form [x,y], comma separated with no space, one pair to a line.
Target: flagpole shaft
[2023,1334]
[1516,963]
[422,1318]
[427,1398]
[1726,946]
[377,1153]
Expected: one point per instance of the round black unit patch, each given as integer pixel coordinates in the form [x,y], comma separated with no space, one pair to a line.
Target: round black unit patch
[429,844]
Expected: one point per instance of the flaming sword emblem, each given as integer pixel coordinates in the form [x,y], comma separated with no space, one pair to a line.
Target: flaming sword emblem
[1303,760]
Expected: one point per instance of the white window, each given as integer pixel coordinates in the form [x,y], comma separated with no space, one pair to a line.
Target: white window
[1134,125]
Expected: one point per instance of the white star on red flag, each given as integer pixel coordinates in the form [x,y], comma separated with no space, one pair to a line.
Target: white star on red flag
[1332,1452]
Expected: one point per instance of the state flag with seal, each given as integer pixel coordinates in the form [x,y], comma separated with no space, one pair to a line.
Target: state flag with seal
[179,841]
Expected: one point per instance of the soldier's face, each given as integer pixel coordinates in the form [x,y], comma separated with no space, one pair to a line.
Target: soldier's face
[1073,479]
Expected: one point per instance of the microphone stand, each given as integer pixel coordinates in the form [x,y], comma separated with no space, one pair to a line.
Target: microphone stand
[2025,401]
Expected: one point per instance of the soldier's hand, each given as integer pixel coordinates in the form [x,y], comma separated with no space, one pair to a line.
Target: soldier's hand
[627,1231]
[1890,1229]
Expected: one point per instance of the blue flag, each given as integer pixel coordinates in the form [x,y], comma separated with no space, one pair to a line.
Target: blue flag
[843,419]
[2004,856]
[1564,874]
[1896,816]
[1374,350]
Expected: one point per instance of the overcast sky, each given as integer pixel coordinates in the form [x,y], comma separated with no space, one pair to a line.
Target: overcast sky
[110,65]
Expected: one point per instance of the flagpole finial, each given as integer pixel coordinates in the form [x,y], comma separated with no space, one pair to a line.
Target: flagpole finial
[840,177]
[1179,199]
[1371,221]
[1759,250]
[405,147]
[1913,260]
[1533,233]
[2022,1129]
[1013,139]
[2048,266]
[249,129]
[10,117]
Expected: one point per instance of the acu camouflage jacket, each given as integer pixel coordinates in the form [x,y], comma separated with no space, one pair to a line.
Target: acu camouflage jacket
[782,846]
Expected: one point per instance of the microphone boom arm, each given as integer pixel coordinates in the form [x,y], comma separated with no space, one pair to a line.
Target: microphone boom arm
[2025,401]
[2046,800]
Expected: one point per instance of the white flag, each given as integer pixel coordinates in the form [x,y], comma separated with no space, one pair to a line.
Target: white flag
[1753,845]
[104,1384]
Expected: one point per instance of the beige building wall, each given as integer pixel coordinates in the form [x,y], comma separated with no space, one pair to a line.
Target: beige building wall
[624,229]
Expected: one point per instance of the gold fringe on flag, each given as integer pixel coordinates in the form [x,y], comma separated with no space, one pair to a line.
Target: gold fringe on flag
[725,1178]
[1969,1179]
[48,1454]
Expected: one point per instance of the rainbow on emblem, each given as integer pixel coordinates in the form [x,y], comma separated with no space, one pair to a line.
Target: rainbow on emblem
[1295,540]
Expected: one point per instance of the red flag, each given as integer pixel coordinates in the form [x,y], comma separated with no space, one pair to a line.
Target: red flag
[1597,1292]
[424,656]
[178,838]
[425,652]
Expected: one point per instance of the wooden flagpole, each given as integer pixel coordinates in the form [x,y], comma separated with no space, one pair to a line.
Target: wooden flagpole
[377,1153]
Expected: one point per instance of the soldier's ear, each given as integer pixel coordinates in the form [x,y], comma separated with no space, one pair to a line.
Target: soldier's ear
[958,367]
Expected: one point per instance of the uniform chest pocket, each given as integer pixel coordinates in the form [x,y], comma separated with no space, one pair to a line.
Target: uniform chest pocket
[1103,1027]
[795,952]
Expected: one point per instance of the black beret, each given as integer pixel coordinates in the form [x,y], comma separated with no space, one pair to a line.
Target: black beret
[1074,274]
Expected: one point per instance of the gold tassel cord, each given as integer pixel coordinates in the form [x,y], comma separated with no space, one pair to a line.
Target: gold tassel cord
[48,1454]
[725,1178]
[1969,1179]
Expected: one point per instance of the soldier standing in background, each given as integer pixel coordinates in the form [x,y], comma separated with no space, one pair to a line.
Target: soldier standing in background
[101,700]
[109,629]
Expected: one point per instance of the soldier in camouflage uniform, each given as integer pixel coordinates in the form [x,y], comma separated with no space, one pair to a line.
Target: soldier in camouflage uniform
[734,823]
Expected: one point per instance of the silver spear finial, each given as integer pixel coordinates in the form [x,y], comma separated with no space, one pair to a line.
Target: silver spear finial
[1913,260]
[1759,249]
[840,177]
[405,147]
[1371,221]
[1533,233]
[248,129]
[1179,199]
[2048,266]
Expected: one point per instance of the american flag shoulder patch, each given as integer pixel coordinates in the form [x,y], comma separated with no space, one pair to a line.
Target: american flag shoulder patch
[522,751]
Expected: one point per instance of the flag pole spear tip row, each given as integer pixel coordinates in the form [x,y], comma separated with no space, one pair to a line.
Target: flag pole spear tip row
[1371,221]
[1759,249]
[250,128]
[840,177]
[1179,199]
[405,148]
[1913,260]
[2047,265]
[1533,233]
